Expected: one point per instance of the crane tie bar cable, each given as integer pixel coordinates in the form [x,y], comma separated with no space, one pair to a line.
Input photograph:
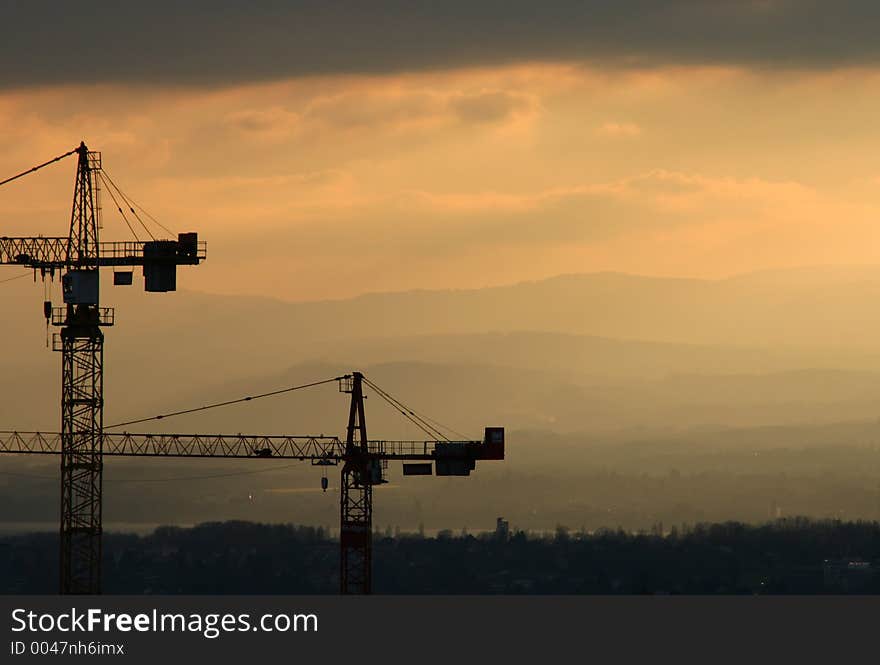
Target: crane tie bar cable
[406,412]
[419,420]
[119,207]
[226,403]
[38,167]
[131,202]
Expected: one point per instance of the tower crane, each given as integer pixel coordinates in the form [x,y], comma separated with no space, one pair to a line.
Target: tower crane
[83,442]
[78,258]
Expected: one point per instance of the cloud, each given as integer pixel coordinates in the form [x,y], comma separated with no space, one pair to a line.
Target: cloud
[43,42]
[619,129]
[333,185]
[272,121]
[372,109]
[662,221]
[395,108]
[433,225]
[490,106]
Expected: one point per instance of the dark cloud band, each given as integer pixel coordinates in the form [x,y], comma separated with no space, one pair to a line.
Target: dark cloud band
[229,41]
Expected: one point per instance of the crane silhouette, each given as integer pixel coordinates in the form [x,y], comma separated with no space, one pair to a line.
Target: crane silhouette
[83,442]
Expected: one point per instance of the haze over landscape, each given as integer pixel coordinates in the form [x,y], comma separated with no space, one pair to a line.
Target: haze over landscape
[618,414]
[651,255]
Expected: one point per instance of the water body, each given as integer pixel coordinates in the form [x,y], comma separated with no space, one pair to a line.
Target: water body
[140,528]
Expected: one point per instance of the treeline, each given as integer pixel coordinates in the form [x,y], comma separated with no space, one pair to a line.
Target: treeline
[786,556]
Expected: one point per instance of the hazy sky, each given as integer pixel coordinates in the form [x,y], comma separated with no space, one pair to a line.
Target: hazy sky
[327,149]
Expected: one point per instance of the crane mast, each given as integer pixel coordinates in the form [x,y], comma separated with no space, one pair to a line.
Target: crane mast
[359,472]
[82,390]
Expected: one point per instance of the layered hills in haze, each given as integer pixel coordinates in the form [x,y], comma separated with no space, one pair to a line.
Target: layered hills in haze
[573,366]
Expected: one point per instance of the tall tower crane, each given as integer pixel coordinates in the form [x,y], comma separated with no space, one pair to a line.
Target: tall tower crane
[78,258]
[363,461]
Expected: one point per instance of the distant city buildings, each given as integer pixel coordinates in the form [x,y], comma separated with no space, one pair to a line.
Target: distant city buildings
[502,529]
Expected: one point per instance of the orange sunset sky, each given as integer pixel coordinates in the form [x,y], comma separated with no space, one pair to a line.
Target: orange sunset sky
[322,171]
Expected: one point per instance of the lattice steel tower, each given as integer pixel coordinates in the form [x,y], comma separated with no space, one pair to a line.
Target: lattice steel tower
[360,471]
[82,389]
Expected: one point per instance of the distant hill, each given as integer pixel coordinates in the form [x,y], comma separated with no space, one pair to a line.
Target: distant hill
[591,374]
[817,309]
[468,397]
[578,352]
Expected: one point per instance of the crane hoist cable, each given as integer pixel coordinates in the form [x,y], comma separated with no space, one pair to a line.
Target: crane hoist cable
[38,167]
[217,405]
